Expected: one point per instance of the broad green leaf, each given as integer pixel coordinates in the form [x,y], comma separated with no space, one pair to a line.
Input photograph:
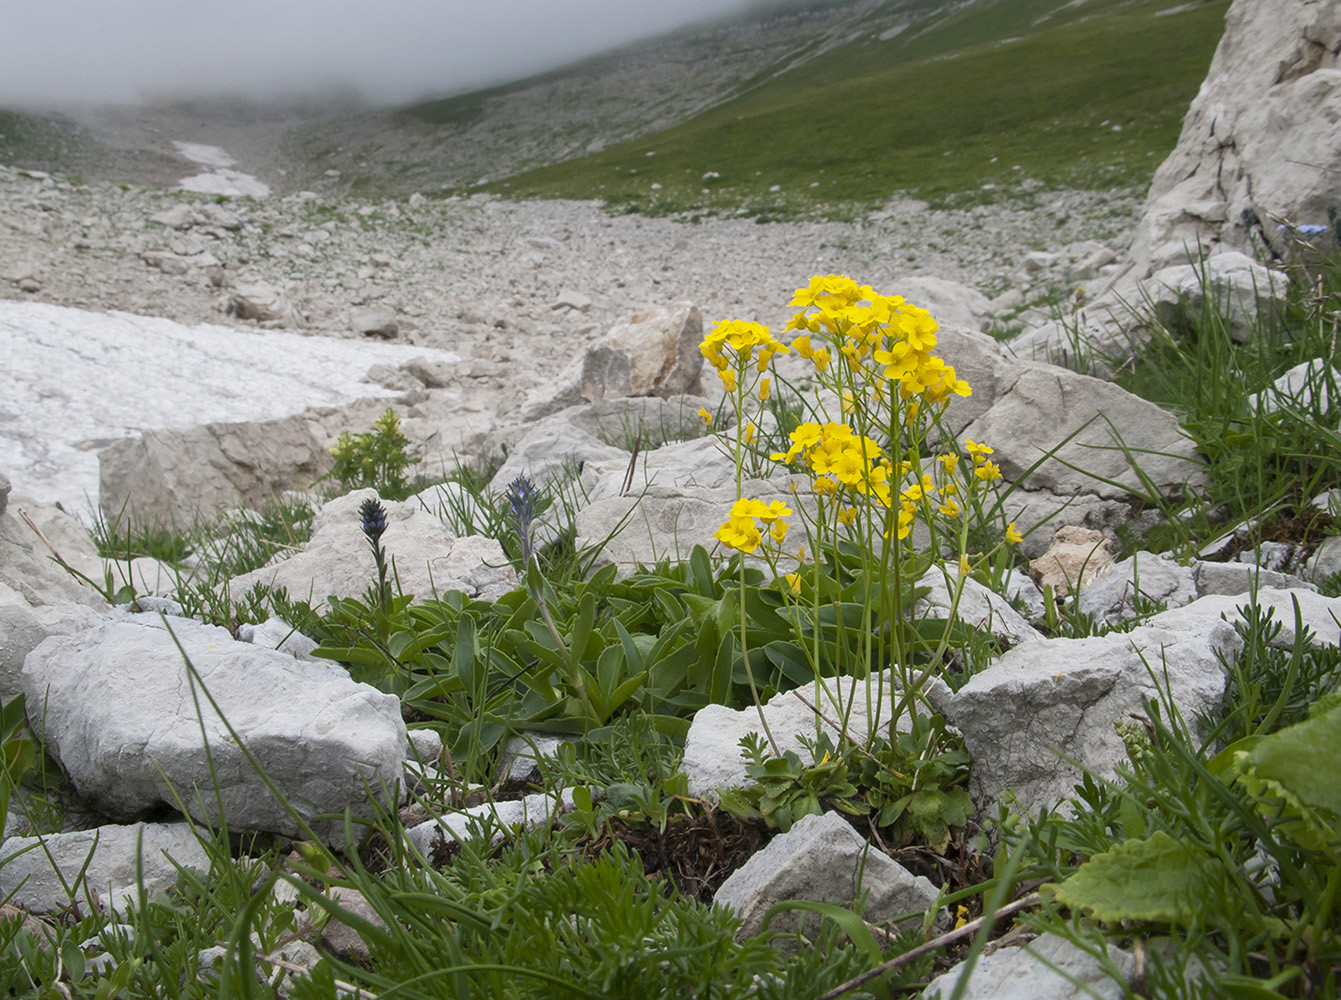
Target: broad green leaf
[1305,759]
[1158,878]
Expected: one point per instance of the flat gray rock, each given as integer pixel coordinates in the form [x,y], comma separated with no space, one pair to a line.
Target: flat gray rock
[824,860]
[120,715]
[34,871]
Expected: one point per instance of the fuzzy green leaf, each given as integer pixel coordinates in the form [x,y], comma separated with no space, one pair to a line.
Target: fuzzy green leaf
[1303,759]
[1158,878]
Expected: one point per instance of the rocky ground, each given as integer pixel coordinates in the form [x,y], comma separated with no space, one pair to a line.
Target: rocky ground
[518,289]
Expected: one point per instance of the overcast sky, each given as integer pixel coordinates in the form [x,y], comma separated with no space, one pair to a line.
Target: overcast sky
[391,50]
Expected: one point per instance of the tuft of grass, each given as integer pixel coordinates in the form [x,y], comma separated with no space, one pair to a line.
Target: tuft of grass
[1268,453]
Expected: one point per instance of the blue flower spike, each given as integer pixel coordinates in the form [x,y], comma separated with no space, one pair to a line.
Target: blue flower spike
[373,515]
[521,495]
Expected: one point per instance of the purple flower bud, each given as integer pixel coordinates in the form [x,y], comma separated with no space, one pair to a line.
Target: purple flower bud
[373,515]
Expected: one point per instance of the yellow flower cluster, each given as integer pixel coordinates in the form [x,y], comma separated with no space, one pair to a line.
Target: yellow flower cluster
[744,529]
[840,458]
[888,330]
[731,346]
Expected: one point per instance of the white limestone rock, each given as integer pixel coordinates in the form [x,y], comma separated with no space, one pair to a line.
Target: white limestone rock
[1048,968]
[118,714]
[824,860]
[34,871]
[712,755]
[427,557]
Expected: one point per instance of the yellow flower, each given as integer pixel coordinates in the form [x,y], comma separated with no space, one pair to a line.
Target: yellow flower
[1013,535]
[978,451]
[749,434]
[779,531]
[728,378]
[988,472]
[821,359]
[705,416]
[949,508]
[740,533]
[793,582]
[764,390]
[802,347]
[964,567]
[847,515]
[950,461]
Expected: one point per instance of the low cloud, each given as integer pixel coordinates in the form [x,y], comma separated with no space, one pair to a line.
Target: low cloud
[397,50]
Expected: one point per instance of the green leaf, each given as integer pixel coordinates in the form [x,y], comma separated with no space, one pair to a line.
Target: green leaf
[581,633]
[1303,759]
[464,658]
[1158,878]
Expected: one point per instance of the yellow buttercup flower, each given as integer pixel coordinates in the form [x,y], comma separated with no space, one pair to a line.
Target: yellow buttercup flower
[1013,535]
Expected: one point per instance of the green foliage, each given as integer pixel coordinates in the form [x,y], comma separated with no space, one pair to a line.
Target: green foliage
[913,789]
[17,751]
[1233,853]
[873,117]
[1156,879]
[375,459]
[1268,453]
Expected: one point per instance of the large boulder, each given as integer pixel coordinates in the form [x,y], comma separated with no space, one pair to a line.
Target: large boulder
[1241,290]
[133,729]
[656,353]
[428,559]
[176,477]
[38,597]
[1095,435]
[1045,710]
[1273,85]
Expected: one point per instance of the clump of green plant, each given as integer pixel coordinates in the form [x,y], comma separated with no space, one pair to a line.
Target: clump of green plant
[871,478]
[1269,450]
[1216,863]
[375,459]
[912,789]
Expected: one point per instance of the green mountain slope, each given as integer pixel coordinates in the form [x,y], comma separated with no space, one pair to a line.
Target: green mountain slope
[969,100]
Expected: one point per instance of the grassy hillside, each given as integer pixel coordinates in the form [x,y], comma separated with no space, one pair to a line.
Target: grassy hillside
[970,101]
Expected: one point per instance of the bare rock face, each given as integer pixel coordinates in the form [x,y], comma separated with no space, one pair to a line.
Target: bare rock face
[172,477]
[129,725]
[656,353]
[1274,85]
